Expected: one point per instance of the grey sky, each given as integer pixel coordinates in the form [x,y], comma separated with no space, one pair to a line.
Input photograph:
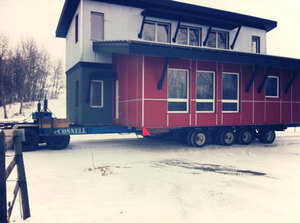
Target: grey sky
[38,18]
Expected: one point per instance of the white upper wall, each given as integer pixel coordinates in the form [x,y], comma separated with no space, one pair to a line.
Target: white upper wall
[124,23]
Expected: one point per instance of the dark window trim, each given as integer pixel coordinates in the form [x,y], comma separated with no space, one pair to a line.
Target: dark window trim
[76,29]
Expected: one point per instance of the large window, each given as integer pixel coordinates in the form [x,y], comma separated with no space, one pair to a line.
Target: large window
[97,26]
[178,90]
[189,36]
[96,94]
[255,45]
[156,31]
[205,91]
[230,92]
[272,87]
[218,39]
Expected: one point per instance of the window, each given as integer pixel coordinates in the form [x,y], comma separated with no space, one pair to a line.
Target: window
[97,26]
[76,28]
[230,92]
[255,46]
[155,31]
[272,87]
[218,39]
[205,91]
[76,93]
[96,94]
[177,90]
[189,36]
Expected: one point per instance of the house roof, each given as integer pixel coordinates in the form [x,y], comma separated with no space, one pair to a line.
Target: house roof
[188,52]
[172,10]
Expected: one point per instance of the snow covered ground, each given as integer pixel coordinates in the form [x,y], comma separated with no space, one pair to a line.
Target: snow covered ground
[119,178]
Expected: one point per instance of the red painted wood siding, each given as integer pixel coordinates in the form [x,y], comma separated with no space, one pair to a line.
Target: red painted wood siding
[143,105]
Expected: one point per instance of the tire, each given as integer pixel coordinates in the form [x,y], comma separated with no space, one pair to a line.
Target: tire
[245,136]
[189,137]
[267,135]
[31,140]
[199,138]
[226,137]
[57,142]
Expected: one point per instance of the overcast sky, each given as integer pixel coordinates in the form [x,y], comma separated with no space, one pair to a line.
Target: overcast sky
[38,19]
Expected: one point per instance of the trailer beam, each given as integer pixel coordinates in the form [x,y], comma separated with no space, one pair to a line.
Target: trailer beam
[249,85]
[176,32]
[287,89]
[262,84]
[236,36]
[207,35]
[163,74]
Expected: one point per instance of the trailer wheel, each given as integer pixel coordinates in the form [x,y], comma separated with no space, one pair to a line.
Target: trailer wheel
[189,137]
[57,142]
[267,135]
[31,140]
[198,138]
[226,137]
[244,136]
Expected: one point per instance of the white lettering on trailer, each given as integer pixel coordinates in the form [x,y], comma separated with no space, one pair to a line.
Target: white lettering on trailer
[70,131]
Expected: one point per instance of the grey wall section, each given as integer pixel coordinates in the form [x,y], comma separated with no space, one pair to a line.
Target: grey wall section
[84,73]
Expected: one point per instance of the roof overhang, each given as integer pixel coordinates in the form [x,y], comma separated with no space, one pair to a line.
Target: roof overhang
[173,10]
[187,52]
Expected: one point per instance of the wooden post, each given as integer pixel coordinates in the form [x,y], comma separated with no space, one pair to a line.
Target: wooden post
[21,173]
[3,201]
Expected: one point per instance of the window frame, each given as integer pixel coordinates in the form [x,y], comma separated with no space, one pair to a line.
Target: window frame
[91,94]
[179,99]
[257,44]
[99,13]
[237,101]
[227,42]
[277,88]
[188,36]
[214,92]
[156,23]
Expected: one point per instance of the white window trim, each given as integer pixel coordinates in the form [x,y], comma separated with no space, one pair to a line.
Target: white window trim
[117,99]
[214,93]
[227,43]
[156,23]
[238,94]
[188,36]
[277,96]
[180,99]
[91,94]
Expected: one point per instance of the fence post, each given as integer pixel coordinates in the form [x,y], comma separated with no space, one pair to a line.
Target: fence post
[3,201]
[21,173]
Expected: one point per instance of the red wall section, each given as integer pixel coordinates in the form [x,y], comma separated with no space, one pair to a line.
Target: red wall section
[143,105]
[155,114]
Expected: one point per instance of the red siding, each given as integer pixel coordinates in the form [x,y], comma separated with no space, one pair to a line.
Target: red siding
[143,105]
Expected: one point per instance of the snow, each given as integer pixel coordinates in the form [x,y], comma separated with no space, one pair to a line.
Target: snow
[120,178]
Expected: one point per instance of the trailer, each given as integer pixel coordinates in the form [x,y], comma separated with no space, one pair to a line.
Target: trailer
[56,132]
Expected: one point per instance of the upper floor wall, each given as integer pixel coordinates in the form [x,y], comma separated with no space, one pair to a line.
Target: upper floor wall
[97,21]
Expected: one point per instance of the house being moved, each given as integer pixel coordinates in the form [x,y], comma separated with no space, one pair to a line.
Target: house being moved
[174,67]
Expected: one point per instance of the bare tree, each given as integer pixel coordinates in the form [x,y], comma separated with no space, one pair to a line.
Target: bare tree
[4,52]
[57,79]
